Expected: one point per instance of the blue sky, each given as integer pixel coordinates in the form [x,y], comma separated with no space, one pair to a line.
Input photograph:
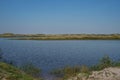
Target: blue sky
[60,16]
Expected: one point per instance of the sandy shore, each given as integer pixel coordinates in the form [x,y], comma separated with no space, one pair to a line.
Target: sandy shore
[106,74]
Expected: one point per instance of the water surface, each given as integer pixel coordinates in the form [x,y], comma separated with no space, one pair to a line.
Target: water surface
[49,55]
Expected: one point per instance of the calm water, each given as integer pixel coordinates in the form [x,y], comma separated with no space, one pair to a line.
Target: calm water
[49,55]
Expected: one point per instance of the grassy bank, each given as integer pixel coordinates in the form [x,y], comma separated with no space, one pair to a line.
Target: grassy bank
[8,72]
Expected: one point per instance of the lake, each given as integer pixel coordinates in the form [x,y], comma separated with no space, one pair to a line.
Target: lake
[52,54]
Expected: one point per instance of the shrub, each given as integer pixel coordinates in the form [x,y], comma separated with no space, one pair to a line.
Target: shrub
[105,62]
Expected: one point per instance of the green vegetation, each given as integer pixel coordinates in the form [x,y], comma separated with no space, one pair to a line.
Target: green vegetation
[66,71]
[7,35]
[104,63]
[69,71]
[61,36]
[30,69]
[8,72]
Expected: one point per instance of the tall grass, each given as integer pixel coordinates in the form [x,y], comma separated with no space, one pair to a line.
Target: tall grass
[30,69]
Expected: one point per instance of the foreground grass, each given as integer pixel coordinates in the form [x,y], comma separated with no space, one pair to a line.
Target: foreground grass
[8,72]
[67,72]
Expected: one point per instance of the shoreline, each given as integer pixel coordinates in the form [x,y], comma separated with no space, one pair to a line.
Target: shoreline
[60,36]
